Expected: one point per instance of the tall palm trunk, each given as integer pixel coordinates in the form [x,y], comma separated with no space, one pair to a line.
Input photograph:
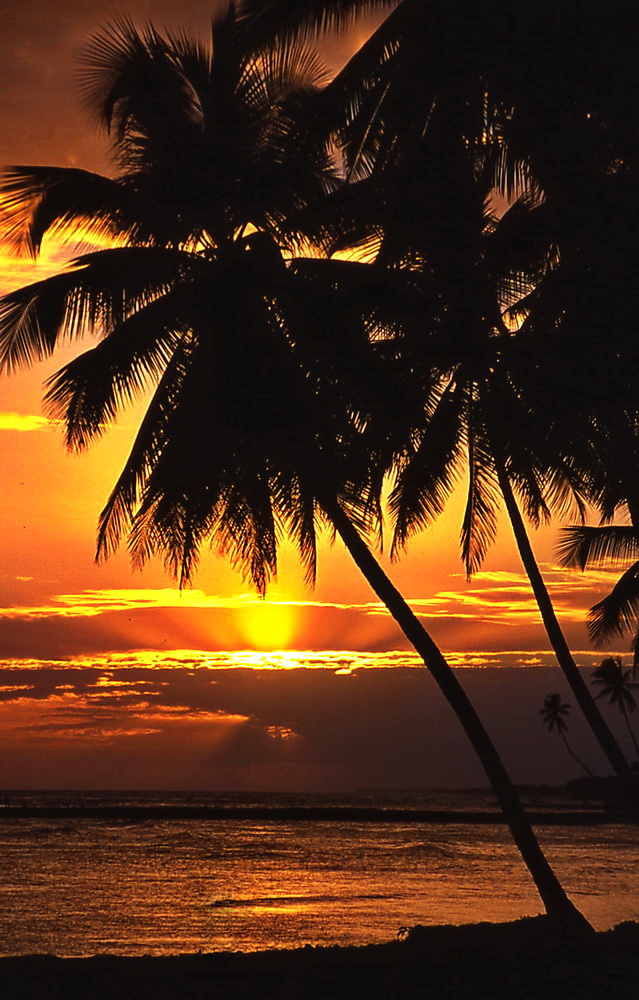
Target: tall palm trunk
[557,639]
[555,900]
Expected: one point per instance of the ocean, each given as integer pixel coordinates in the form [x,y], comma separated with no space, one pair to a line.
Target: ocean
[99,873]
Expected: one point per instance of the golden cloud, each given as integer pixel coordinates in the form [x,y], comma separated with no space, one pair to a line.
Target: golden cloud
[22,422]
[89,603]
[503,598]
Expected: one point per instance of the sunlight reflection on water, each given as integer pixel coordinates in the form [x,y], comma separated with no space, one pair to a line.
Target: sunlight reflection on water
[169,886]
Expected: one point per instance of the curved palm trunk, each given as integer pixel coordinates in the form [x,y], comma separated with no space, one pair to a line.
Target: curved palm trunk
[555,900]
[574,755]
[557,639]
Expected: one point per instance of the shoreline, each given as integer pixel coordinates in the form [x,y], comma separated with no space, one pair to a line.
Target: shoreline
[529,959]
[296,814]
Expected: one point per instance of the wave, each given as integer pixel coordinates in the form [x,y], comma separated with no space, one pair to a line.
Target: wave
[277,901]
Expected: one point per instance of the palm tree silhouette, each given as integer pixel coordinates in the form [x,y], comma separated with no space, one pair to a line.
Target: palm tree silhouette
[247,352]
[201,189]
[617,687]
[554,714]
[482,95]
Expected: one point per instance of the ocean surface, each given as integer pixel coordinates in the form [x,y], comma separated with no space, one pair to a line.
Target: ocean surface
[128,884]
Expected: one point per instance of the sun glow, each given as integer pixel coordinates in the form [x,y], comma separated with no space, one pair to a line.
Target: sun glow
[267,625]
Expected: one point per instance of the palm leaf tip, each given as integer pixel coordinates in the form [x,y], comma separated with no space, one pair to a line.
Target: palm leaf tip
[65,201]
[266,20]
[619,610]
[581,546]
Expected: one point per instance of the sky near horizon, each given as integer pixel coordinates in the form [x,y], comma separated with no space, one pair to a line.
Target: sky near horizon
[109,674]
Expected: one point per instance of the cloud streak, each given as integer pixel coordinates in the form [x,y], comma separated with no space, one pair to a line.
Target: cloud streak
[503,596]
[214,722]
[90,603]
[22,422]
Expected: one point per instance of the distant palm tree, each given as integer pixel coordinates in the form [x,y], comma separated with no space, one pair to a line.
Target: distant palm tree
[263,375]
[554,715]
[617,687]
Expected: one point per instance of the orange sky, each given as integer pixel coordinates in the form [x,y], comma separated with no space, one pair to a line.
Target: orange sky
[57,606]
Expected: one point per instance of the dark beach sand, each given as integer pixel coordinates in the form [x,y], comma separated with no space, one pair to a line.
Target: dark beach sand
[518,961]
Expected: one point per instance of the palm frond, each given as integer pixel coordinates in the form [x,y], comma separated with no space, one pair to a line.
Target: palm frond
[516,253]
[100,292]
[295,499]
[509,162]
[358,98]
[59,200]
[429,472]
[618,611]
[584,545]
[548,486]
[117,516]
[280,180]
[128,72]
[273,19]
[348,218]
[136,84]
[540,487]
[87,393]
[190,498]
[271,74]
[479,525]
[248,531]
[245,389]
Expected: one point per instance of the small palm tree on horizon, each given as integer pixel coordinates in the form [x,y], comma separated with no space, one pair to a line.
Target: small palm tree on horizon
[554,714]
[616,685]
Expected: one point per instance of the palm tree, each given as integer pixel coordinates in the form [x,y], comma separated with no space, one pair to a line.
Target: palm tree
[488,407]
[436,108]
[554,715]
[616,685]
[202,184]
[241,347]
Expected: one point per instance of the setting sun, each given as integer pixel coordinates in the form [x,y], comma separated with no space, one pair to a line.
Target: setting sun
[267,625]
